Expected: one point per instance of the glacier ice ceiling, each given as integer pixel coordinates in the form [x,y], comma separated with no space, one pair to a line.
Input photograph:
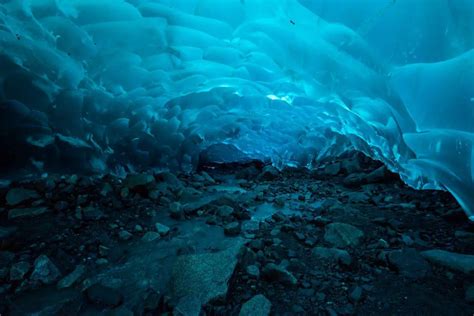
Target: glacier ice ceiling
[125,85]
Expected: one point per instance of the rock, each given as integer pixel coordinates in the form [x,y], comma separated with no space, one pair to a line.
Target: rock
[151,236]
[19,195]
[105,296]
[170,179]
[225,211]
[409,263]
[268,173]
[18,270]
[72,278]
[163,230]
[332,169]
[356,294]
[332,254]
[6,232]
[92,214]
[451,260]
[176,211]
[253,271]
[469,295]
[45,271]
[274,273]
[19,213]
[133,181]
[232,229]
[343,235]
[199,278]
[258,305]
[125,235]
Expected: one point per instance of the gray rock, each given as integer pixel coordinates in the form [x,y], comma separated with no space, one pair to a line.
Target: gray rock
[45,271]
[176,211]
[258,305]
[343,235]
[72,278]
[356,294]
[102,295]
[253,271]
[18,270]
[6,232]
[268,173]
[199,278]
[125,235]
[409,263]
[232,229]
[224,211]
[275,273]
[92,214]
[451,260]
[151,236]
[20,195]
[163,230]
[19,213]
[332,254]
[469,295]
[135,180]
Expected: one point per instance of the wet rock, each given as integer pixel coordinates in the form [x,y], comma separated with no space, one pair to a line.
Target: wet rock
[92,214]
[332,254]
[20,213]
[6,232]
[409,263]
[19,195]
[356,294]
[19,270]
[151,236]
[133,181]
[199,278]
[163,230]
[451,260]
[72,278]
[253,271]
[176,211]
[225,211]
[469,294]
[258,305]
[232,229]
[274,273]
[343,235]
[45,271]
[125,235]
[104,296]
[332,169]
[268,173]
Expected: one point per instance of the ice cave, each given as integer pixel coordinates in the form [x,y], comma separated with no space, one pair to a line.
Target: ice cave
[236,157]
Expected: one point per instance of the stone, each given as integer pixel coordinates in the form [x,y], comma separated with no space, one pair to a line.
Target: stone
[253,271]
[18,270]
[332,254]
[20,213]
[258,305]
[163,230]
[225,211]
[332,169]
[409,263]
[19,195]
[45,271]
[92,214]
[343,235]
[105,296]
[151,236]
[356,294]
[268,173]
[133,181]
[6,232]
[199,278]
[232,229]
[451,260]
[125,235]
[72,278]
[469,294]
[176,211]
[274,273]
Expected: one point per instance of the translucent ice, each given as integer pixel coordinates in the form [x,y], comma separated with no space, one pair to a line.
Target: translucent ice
[115,84]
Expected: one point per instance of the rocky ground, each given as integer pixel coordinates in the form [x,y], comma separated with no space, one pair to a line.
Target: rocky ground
[348,238]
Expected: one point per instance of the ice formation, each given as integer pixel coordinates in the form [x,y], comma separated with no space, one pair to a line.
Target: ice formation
[99,85]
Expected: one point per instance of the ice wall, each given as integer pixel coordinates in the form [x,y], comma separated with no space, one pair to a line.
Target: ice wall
[94,85]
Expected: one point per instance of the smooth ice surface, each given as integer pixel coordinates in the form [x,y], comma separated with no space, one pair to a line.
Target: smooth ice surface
[124,85]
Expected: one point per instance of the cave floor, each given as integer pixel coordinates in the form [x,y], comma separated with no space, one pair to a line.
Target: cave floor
[349,238]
